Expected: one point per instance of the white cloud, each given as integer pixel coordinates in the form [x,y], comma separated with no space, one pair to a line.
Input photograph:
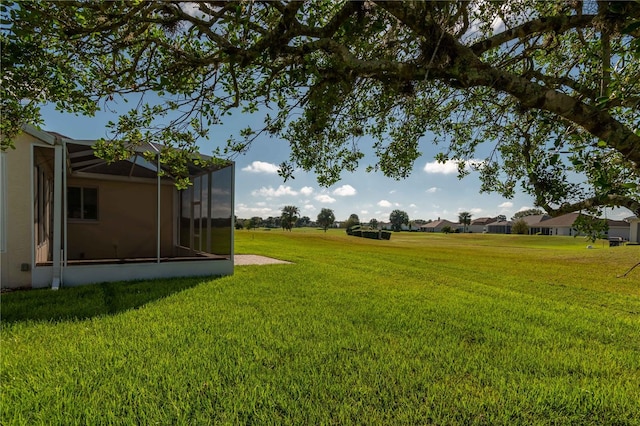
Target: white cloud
[191,9]
[448,167]
[364,211]
[506,205]
[498,25]
[245,211]
[443,168]
[270,192]
[393,191]
[432,190]
[345,191]
[261,167]
[306,190]
[523,208]
[474,211]
[413,206]
[384,203]
[324,198]
[309,207]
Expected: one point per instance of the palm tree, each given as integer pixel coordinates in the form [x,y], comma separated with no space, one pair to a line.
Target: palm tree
[465,219]
[289,217]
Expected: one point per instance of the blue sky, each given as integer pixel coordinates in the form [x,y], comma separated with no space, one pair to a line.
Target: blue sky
[432,191]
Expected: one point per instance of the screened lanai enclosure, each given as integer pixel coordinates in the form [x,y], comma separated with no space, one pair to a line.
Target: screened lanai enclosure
[205,214]
[125,220]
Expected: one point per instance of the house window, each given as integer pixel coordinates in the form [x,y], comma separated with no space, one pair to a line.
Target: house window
[82,203]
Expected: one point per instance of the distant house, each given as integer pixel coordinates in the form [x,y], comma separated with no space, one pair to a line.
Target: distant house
[564,225]
[500,227]
[388,226]
[619,229]
[69,218]
[411,227]
[561,225]
[533,222]
[480,224]
[438,225]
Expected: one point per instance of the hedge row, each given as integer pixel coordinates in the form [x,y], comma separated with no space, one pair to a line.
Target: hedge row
[357,231]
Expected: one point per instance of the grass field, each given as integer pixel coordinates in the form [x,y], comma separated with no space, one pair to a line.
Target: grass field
[421,329]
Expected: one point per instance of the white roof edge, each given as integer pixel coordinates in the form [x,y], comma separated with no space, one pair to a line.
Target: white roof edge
[51,140]
[43,136]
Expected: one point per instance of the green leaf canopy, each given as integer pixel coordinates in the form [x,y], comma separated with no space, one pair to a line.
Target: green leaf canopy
[541,95]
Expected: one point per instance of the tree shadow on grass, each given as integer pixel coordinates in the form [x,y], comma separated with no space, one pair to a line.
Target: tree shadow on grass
[77,303]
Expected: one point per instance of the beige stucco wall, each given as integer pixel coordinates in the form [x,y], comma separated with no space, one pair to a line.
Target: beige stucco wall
[127,221]
[18,175]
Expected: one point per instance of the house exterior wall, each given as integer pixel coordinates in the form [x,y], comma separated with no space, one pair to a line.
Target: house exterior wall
[619,232]
[127,221]
[477,228]
[564,230]
[17,173]
[634,231]
[410,227]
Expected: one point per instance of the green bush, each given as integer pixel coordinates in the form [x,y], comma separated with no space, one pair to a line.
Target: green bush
[351,229]
[374,235]
[520,227]
[358,231]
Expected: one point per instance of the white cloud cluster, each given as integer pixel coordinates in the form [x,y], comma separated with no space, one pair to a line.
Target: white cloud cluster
[270,192]
[324,198]
[384,203]
[432,190]
[261,167]
[345,191]
[506,205]
[245,211]
[306,190]
[448,167]
[441,168]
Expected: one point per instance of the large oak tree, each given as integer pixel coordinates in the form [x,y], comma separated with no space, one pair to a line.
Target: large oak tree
[546,94]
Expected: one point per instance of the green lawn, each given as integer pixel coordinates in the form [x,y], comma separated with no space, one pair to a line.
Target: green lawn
[421,329]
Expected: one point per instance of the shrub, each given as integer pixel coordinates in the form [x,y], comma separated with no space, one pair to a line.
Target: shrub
[352,229]
[520,227]
[358,231]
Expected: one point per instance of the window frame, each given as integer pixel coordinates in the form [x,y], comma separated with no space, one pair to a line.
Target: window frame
[82,217]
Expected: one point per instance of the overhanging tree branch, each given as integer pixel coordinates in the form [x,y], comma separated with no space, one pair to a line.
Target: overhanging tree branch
[556,24]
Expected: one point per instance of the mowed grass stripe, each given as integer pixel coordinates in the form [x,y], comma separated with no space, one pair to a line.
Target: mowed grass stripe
[354,332]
